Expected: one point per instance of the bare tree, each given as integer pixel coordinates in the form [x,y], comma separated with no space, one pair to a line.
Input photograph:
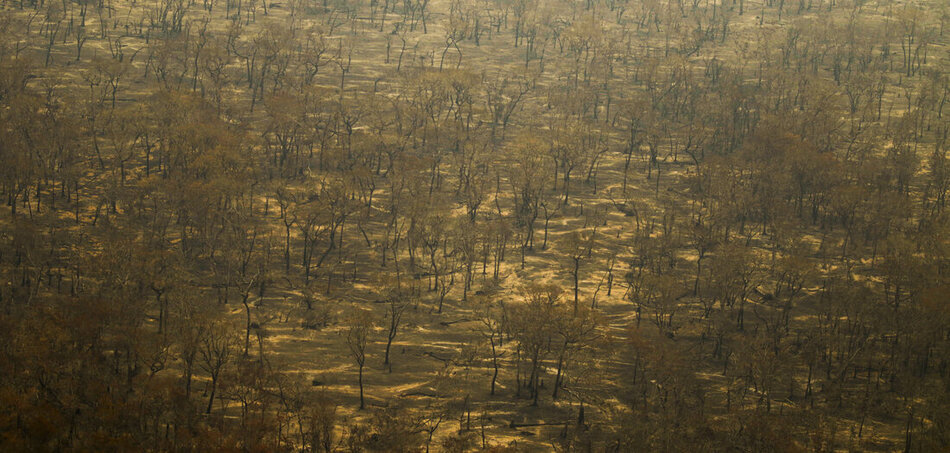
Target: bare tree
[357,335]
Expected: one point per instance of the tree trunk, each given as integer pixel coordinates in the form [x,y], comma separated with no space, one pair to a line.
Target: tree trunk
[362,403]
[214,387]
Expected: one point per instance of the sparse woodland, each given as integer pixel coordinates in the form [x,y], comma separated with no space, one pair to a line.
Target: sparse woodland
[474,225]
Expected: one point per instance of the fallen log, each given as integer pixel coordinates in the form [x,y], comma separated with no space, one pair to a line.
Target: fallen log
[418,393]
[430,354]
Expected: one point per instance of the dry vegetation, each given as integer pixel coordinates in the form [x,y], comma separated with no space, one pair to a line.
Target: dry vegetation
[474,225]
